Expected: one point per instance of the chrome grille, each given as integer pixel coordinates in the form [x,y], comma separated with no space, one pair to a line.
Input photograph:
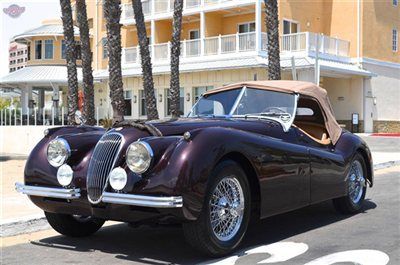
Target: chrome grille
[102,162]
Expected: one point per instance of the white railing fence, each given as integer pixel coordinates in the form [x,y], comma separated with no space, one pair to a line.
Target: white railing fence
[43,116]
[243,42]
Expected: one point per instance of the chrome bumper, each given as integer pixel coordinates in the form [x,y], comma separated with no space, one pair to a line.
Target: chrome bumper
[143,200]
[60,193]
[108,197]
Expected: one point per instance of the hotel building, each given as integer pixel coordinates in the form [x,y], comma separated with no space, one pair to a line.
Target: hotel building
[349,47]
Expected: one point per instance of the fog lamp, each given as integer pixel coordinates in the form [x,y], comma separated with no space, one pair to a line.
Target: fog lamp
[65,175]
[118,178]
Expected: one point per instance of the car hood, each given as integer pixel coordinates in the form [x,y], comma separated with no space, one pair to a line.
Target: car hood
[181,125]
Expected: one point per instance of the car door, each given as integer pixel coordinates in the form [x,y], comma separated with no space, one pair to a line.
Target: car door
[327,176]
[285,175]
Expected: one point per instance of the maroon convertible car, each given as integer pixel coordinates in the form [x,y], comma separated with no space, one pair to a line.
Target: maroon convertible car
[246,150]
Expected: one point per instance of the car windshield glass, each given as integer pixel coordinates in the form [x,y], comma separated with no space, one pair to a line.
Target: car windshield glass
[219,104]
[247,102]
[265,103]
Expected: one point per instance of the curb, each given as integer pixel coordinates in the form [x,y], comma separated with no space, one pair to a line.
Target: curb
[386,164]
[30,224]
[24,225]
[4,158]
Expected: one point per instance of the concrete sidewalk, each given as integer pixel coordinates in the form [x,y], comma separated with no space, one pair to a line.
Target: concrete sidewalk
[19,215]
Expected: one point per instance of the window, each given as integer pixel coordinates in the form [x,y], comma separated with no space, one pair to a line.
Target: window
[395,2]
[128,102]
[48,49]
[394,40]
[194,34]
[198,91]
[247,27]
[168,101]
[290,27]
[142,102]
[63,50]
[38,49]
[105,51]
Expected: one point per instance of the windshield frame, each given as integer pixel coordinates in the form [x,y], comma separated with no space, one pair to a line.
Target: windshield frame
[285,125]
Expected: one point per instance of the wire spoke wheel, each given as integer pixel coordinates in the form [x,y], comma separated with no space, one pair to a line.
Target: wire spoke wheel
[227,208]
[356,182]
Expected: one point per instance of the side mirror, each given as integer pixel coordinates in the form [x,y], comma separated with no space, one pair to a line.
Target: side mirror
[79,118]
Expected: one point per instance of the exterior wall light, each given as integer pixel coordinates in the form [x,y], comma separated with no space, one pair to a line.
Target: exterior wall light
[187,96]
[160,97]
[134,99]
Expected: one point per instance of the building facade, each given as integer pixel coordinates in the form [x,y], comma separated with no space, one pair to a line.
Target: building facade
[43,81]
[18,56]
[349,47]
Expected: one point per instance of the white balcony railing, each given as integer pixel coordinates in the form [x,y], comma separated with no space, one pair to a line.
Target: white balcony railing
[164,6]
[240,43]
[306,41]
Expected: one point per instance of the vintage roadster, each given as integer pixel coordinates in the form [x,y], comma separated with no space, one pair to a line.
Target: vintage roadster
[246,150]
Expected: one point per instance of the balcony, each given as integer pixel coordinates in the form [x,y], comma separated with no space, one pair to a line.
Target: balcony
[222,45]
[242,44]
[160,7]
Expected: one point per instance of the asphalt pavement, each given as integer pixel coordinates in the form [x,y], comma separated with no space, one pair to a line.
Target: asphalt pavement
[313,235]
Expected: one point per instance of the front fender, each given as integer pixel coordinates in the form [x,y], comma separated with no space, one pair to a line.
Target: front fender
[185,167]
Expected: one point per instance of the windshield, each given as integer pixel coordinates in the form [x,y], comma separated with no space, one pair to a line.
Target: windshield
[248,103]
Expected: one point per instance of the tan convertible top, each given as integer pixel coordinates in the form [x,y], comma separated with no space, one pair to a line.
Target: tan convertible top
[302,88]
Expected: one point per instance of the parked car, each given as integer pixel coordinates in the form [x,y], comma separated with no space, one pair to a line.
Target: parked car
[246,150]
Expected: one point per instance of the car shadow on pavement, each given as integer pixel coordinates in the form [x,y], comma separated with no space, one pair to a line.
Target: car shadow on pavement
[166,245]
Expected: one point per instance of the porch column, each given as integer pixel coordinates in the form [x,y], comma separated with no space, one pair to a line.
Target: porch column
[202,32]
[258,25]
[56,100]
[153,37]
[26,96]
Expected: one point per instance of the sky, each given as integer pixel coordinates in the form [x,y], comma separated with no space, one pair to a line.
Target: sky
[35,12]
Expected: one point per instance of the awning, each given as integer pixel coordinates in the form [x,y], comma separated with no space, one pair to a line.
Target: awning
[238,63]
[38,75]
[44,30]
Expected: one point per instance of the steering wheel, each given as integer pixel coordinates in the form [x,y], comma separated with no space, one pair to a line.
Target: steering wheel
[274,109]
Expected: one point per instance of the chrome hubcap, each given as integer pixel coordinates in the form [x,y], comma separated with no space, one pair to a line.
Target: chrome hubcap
[356,182]
[226,208]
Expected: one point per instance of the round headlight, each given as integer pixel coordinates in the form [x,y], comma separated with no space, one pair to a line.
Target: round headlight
[139,156]
[58,152]
[64,175]
[118,178]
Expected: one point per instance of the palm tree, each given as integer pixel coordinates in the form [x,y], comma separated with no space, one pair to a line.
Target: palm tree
[88,89]
[272,23]
[112,14]
[148,83]
[70,55]
[175,53]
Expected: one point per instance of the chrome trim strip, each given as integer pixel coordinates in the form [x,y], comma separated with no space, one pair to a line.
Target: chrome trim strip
[143,200]
[60,193]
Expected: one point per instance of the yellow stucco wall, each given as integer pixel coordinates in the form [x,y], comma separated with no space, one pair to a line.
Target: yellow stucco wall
[379,19]
[336,18]
[213,24]
[312,15]
[186,27]
[230,24]
[163,31]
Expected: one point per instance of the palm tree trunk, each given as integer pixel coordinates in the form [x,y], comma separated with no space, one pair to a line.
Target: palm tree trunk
[88,89]
[175,53]
[112,14]
[68,25]
[272,23]
[147,70]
